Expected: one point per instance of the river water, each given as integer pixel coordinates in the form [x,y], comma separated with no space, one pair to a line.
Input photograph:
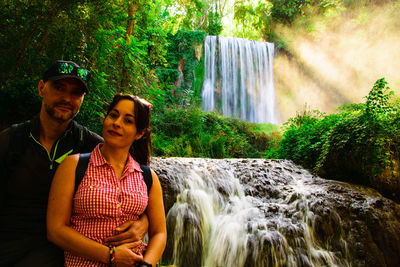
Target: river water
[255,212]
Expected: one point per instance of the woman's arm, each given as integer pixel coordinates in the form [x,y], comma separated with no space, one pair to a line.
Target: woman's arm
[58,220]
[157,225]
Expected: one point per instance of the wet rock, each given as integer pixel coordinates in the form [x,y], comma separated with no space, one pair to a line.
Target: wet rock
[286,213]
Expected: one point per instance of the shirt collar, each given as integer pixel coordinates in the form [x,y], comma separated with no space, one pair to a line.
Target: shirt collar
[35,127]
[132,165]
[98,160]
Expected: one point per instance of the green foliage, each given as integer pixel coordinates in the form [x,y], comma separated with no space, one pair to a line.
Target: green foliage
[30,38]
[92,33]
[146,61]
[178,75]
[198,82]
[193,133]
[378,99]
[253,19]
[120,61]
[159,59]
[195,15]
[285,11]
[358,144]
[214,24]
[259,19]
[280,44]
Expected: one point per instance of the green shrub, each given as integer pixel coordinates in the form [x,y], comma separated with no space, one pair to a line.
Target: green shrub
[192,133]
[358,144]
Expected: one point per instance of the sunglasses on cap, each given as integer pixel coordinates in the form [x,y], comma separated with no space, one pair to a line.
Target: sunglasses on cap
[64,69]
[67,68]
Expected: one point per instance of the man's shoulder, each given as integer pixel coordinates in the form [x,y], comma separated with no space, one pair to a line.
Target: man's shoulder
[17,129]
[5,136]
[14,135]
[86,138]
[88,133]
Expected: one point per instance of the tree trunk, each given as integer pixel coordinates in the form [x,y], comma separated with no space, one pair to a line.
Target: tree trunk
[125,75]
[22,51]
[131,22]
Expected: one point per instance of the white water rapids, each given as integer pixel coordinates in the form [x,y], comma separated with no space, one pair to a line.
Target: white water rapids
[255,212]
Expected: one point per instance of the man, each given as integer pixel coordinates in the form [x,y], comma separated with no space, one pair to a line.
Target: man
[29,156]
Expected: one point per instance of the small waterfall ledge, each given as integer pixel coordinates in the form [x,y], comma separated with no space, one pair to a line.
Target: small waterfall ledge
[238,79]
[257,212]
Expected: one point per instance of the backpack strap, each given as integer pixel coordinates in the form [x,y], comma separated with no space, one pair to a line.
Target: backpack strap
[78,134]
[148,179]
[83,165]
[81,168]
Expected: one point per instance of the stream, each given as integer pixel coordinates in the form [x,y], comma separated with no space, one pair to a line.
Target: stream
[257,212]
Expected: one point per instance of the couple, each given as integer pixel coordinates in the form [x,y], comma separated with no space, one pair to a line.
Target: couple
[102,220]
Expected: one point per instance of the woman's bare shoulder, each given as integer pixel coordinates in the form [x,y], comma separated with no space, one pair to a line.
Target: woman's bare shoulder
[69,162]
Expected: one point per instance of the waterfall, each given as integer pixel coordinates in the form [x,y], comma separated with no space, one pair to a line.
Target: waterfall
[242,212]
[238,79]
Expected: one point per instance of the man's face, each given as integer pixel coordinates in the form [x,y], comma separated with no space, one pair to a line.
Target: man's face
[61,99]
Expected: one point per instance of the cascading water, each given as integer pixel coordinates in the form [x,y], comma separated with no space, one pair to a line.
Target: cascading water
[238,79]
[239,212]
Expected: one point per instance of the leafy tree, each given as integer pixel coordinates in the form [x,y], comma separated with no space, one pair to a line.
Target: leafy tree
[214,24]
[258,19]
[121,42]
[285,11]
[178,75]
[253,19]
[34,33]
[195,15]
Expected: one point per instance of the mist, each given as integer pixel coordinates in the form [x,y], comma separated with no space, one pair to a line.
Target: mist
[336,59]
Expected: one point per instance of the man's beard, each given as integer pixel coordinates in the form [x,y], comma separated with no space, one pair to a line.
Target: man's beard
[53,113]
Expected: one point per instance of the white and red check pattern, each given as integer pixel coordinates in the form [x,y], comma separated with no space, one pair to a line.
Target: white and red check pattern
[102,202]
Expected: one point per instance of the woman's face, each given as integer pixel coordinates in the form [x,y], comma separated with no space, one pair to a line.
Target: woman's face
[119,128]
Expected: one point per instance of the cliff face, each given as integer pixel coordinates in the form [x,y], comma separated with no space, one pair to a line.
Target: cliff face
[255,212]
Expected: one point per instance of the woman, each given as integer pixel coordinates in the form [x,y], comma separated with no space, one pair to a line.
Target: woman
[111,192]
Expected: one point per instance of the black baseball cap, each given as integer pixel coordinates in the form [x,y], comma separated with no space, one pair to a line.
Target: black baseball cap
[67,69]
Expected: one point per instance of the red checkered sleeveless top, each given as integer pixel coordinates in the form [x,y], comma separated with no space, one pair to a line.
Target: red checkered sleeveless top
[102,202]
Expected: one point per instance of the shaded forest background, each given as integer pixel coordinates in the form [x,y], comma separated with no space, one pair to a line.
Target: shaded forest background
[154,49]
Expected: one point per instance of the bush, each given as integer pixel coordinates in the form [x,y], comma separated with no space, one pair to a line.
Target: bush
[193,133]
[358,144]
